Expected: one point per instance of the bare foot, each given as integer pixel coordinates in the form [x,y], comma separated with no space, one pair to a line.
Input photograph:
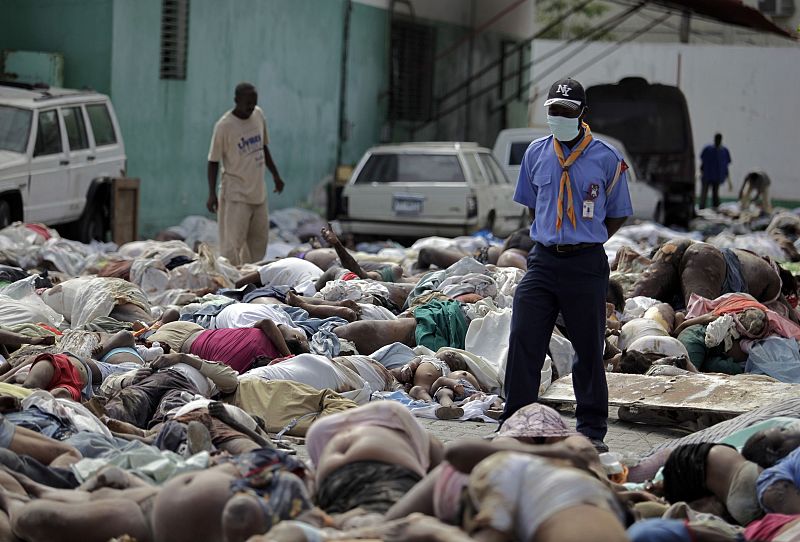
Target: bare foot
[449,412]
[291,299]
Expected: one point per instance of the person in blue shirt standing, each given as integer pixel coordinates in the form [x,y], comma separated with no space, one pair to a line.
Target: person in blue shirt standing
[576,189]
[714,162]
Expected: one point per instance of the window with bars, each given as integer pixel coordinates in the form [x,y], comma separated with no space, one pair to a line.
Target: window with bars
[411,92]
[174,38]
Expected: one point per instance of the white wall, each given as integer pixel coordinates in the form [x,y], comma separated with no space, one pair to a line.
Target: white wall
[749,94]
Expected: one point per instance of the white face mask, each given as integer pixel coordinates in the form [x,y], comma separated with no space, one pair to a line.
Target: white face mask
[564,128]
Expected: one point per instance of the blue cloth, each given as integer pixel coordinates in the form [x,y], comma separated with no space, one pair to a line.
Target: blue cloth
[323,340]
[91,444]
[205,316]
[734,279]
[393,356]
[42,422]
[574,283]
[714,163]
[659,530]
[787,469]
[776,357]
[126,349]
[539,182]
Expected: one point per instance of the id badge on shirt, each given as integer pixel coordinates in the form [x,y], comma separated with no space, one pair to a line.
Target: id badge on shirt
[588,209]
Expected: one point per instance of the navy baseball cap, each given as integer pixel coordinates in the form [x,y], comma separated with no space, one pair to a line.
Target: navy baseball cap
[567,92]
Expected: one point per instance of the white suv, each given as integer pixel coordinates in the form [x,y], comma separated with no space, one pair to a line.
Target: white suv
[59,150]
[423,189]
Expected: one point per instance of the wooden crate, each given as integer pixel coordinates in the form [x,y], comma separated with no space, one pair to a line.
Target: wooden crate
[124,210]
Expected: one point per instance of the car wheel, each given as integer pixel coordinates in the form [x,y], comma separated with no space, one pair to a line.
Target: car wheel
[490,221]
[5,213]
[92,225]
[658,215]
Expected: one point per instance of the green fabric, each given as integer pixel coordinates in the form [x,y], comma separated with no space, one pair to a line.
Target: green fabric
[387,273]
[106,324]
[739,438]
[440,324]
[707,360]
[29,330]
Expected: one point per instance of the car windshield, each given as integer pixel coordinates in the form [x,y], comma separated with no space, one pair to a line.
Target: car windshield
[411,168]
[15,127]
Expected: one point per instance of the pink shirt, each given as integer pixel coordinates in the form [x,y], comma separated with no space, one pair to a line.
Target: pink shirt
[236,348]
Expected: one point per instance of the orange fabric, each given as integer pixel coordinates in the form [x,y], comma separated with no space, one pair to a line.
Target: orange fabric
[65,374]
[566,182]
[737,304]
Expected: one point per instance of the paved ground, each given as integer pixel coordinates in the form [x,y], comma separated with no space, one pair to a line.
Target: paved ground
[626,438]
[622,436]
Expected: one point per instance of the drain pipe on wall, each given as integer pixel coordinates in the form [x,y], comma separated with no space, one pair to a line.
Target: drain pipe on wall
[343,127]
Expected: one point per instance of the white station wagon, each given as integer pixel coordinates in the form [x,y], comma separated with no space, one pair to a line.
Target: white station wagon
[423,189]
[59,150]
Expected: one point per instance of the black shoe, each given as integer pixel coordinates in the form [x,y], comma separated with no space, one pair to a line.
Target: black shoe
[599,445]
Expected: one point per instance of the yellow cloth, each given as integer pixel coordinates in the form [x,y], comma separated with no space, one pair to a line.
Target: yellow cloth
[279,402]
[565,180]
[14,391]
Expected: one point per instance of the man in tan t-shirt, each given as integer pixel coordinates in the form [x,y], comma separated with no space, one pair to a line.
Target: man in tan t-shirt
[240,142]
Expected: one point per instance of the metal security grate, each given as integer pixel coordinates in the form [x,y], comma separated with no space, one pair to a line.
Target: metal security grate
[174,38]
[411,92]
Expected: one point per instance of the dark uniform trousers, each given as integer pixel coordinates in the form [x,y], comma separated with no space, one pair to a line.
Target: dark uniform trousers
[574,283]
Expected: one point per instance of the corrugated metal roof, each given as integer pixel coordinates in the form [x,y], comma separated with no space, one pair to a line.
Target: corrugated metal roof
[731,12]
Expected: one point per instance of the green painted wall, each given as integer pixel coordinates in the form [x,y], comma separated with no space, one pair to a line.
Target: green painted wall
[80,29]
[367,80]
[291,51]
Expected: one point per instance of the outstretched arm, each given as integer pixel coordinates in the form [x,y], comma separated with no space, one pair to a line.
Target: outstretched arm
[348,262]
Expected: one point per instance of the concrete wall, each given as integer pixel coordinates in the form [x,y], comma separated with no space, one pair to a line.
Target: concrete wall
[367,100]
[291,51]
[80,29]
[739,91]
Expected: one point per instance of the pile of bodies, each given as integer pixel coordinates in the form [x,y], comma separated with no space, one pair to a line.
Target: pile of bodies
[153,392]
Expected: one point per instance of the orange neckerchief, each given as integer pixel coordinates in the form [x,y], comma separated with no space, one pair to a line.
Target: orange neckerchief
[565,180]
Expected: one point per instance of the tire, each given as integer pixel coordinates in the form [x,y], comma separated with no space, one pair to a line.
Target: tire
[659,215]
[92,225]
[490,220]
[5,213]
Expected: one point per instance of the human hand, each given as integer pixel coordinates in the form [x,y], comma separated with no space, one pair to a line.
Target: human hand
[212,204]
[329,235]
[164,361]
[278,185]
[44,341]
[137,377]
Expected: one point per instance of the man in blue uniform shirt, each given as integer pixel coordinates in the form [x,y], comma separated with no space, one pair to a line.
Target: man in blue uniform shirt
[714,162]
[576,189]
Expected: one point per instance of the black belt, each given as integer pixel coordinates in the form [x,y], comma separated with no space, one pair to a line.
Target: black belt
[564,249]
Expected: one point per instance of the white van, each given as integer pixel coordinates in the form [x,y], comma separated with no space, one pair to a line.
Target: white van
[59,150]
[510,146]
[423,189]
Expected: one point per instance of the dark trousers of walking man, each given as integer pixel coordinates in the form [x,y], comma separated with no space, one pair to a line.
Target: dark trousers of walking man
[574,283]
[714,194]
